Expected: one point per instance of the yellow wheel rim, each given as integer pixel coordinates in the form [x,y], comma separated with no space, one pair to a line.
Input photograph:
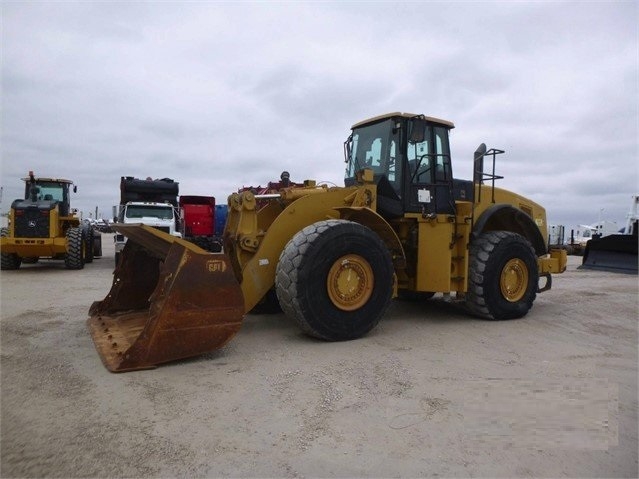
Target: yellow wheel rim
[350,282]
[514,280]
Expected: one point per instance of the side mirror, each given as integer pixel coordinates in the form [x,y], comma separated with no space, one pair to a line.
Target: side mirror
[347,148]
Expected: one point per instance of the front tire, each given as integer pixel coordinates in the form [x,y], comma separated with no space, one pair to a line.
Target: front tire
[9,261]
[503,276]
[335,279]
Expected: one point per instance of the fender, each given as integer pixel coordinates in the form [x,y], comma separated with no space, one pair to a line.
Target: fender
[507,218]
[368,217]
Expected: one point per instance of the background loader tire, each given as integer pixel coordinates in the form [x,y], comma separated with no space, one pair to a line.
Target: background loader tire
[8,260]
[88,238]
[97,244]
[335,279]
[74,258]
[503,276]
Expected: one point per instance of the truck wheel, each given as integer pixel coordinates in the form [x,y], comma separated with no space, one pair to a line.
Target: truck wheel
[335,278]
[8,260]
[74,258]
[503,277]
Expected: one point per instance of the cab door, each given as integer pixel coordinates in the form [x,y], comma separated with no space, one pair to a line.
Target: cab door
[429,174]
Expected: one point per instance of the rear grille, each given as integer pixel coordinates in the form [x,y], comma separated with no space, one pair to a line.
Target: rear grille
[31,224]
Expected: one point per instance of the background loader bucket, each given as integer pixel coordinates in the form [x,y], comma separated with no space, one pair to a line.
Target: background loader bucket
[169,300]
[616,253]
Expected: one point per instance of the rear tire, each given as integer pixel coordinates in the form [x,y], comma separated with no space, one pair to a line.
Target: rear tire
[503,277]
[97,244]
[8,260]
[335,279]
[88,245]
[74,258]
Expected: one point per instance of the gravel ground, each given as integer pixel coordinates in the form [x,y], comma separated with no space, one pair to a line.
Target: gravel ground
[430,392]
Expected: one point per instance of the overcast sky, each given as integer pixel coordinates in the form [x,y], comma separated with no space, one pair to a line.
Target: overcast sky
[221,95]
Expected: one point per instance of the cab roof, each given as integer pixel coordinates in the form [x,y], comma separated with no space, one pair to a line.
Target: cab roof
[51,180]
[375,119]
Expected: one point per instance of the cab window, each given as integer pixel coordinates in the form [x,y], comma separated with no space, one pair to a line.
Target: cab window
[442,155]
[419,157]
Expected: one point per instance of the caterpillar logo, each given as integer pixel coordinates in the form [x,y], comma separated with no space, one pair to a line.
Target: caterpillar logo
[216,266]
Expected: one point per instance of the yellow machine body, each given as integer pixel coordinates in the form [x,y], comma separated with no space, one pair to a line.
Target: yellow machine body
[310,244]
[43,225]
[55,244]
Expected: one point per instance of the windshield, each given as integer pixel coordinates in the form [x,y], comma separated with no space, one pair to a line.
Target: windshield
[374,146]
[149,211]
[47,191]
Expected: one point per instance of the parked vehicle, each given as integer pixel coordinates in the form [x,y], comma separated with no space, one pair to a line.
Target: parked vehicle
[43,225]
[336,256]
[616,252]
[148,202]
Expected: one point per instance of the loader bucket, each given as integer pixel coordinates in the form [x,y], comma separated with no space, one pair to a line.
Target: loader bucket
[169,300]
[616,253]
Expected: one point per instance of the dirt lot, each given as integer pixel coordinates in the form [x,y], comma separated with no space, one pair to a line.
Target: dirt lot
[430,392]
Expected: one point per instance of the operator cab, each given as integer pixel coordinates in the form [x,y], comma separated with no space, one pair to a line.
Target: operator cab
[46,193]
[41,196]
[410,158]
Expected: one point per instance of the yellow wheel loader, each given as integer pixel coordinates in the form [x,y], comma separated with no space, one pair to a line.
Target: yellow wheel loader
[335,256]
[43,225]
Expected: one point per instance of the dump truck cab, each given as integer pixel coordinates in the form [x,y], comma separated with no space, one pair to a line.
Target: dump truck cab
[149,202]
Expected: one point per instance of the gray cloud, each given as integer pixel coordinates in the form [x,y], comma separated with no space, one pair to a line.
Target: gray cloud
[220,95]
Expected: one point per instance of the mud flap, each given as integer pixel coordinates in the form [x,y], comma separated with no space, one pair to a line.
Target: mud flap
[169,300]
